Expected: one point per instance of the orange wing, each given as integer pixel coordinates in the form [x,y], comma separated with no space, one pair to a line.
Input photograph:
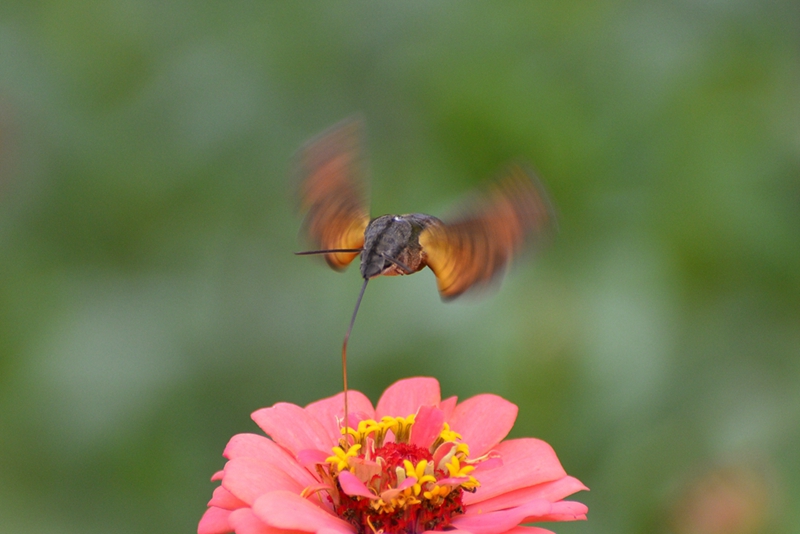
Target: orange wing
[473,250]
[332,191]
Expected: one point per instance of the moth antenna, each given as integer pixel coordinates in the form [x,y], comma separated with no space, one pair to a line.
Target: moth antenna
[329,251]
[344,350]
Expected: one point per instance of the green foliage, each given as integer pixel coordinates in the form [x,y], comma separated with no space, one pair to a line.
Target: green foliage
[149,300]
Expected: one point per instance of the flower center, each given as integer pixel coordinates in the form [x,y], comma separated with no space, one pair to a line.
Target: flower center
[395,454]
[382,478]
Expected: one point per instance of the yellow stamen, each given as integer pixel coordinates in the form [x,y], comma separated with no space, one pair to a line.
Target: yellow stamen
[448,435]
[456,470]
[340,458]
[362,444]
[436,494]
[471,484]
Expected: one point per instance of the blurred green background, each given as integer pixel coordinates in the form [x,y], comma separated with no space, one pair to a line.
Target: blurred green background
[150,301]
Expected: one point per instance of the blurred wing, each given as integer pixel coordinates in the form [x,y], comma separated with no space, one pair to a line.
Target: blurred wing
[476,248]
[332,191]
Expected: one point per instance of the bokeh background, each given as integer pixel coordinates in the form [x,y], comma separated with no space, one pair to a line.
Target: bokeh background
[150,301]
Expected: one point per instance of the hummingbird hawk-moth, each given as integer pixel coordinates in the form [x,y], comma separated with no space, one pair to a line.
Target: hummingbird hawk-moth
[464,253]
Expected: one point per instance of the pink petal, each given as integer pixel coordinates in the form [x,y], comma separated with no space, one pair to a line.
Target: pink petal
[404,397]
[440,452]
[311,457]
[427,426]
[329,412]
[352,486]
[447,406]
[503,520]
[223,498]
[553,491]
[248,479]
[289,511]
[565,511]
[293,428]
[215,521]
[244,521]
[407,483]
[218,475]
[394,492]
[526,462]
[255,446]
[483,421]
[489,463]
[365,469]
[529,530]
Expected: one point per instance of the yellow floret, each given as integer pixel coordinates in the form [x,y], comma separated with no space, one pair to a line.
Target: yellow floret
[340,458]
[448,435]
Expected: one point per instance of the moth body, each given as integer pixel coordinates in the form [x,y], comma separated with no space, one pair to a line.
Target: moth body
[391,245]
[464,252]
[468,251]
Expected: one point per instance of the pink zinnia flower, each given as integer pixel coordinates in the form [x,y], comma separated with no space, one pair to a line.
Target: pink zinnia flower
[412,464]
